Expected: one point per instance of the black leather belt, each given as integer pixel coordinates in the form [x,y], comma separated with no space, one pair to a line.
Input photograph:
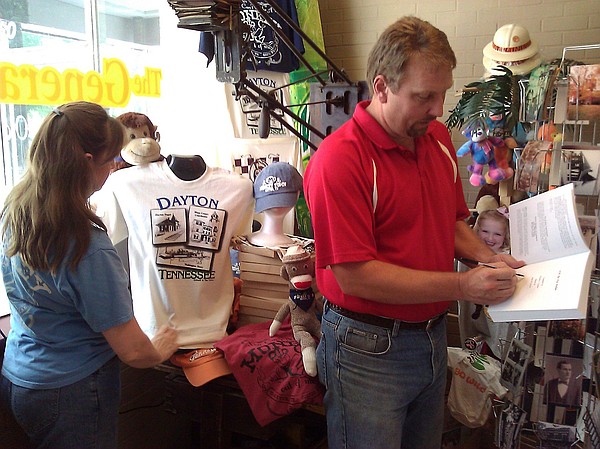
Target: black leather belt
[387,323]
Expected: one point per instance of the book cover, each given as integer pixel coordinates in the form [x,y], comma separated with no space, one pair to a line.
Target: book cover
[259,285]
[264,293]
[257,312]
[256,258]
[241,243]
[260,268]
[545,233]
[263,278]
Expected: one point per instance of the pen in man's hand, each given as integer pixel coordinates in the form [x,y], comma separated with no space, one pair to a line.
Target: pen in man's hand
[475,262]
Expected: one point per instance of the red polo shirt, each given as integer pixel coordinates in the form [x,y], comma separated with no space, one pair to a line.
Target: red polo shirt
[419,199]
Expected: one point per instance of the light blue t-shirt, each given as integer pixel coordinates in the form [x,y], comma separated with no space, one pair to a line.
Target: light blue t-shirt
[57,320]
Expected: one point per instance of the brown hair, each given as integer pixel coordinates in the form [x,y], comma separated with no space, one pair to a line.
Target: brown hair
[406,38]
[47,212]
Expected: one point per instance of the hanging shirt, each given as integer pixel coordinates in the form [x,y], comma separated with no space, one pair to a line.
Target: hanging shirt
[475,380]
[268,50]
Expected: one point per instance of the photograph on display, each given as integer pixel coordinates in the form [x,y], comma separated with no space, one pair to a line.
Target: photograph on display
[580,167]
[563,380]
[596,373]
[555,436]
[509,427]
[567,329]
[514,365]
[591,420]
[533,166]
[584,92]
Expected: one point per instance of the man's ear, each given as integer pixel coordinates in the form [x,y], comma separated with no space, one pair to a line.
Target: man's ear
[380,88]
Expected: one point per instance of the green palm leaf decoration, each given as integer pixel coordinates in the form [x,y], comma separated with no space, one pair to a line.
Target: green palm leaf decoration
[496,95]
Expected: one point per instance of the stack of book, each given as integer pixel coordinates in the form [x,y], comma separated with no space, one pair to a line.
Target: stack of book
[205,15]
[264,290]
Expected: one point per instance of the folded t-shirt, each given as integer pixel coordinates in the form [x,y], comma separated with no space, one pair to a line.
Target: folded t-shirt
[269,371]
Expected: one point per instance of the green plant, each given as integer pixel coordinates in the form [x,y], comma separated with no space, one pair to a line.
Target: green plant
[496,95]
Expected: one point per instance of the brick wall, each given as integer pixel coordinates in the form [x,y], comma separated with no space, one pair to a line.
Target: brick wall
[351,27]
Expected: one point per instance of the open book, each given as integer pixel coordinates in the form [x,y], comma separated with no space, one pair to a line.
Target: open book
[545,233]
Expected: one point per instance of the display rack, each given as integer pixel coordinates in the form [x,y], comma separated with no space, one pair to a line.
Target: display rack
[565,161]
[232,52]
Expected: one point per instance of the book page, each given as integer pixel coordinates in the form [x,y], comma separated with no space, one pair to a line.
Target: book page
[546,226]
[550,290]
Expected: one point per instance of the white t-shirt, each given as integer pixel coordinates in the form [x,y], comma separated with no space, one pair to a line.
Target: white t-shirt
[179,236]
[475,378]
[245,113]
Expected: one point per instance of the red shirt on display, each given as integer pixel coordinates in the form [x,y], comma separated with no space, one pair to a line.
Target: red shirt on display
[418,200]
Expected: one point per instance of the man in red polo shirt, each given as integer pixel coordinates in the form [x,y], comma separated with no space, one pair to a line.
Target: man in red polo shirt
[388,215]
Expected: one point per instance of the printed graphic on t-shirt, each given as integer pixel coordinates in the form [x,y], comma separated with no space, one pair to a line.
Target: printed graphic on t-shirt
[252,113]
[187,238]
[184,257]
[206,227]
[168,226]
[269,51]
[249,166]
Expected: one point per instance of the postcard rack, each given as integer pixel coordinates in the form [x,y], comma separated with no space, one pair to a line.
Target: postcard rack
[561,108]
[568,120]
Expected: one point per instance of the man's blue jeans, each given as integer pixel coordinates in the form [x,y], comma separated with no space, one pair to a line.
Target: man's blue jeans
[79,416]
[385,388]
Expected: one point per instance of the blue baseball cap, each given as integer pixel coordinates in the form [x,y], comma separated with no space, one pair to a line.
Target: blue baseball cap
[277,185]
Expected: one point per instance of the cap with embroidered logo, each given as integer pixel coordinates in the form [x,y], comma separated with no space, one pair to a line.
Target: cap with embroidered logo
[277,185]
[201,365]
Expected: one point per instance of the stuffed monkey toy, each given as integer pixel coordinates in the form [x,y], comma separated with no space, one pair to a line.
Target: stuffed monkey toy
[142,140]
[298,268]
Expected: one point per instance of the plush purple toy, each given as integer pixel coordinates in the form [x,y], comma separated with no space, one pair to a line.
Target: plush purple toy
[483,149]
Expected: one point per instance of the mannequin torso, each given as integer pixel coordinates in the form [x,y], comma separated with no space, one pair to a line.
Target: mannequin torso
[186,168]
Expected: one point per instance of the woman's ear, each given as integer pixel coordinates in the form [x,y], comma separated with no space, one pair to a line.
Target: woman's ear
[89,156]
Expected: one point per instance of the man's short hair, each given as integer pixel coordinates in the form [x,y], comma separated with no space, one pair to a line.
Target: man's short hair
[408,37]
[560,364]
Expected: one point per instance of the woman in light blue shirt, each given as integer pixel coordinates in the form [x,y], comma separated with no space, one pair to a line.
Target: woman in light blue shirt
[71,311]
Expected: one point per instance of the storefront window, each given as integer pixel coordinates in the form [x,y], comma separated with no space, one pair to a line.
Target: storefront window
[41,39]
[50,50]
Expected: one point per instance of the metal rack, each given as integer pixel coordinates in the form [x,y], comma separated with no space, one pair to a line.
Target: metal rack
[578,134]
[232,53]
